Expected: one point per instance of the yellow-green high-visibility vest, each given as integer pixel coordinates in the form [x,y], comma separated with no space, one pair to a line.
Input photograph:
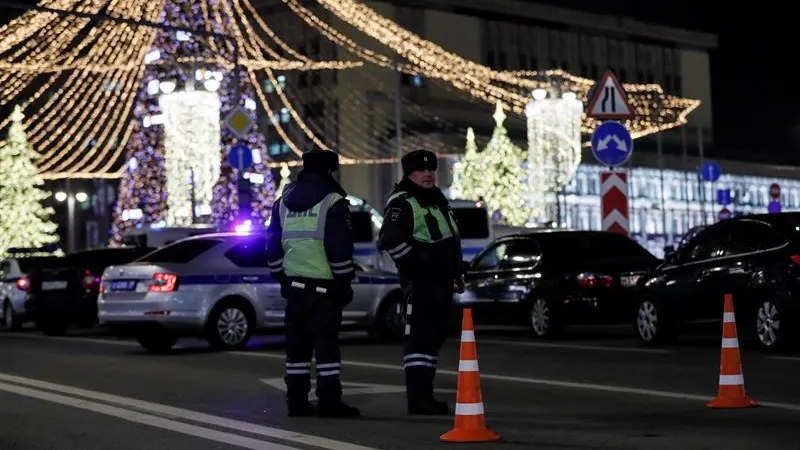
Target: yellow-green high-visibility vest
[421,231]
[303,240]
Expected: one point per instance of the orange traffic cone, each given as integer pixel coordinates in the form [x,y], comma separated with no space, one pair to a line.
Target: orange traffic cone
[470,423]
[731,380]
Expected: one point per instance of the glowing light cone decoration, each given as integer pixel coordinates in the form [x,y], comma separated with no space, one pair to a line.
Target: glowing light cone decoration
[178,144]
[24,221]
[554,146]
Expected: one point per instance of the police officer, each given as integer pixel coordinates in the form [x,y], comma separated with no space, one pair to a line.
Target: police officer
[310,251]
[420,234]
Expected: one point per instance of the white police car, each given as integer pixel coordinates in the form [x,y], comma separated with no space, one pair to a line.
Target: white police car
[14,283]
[216,286]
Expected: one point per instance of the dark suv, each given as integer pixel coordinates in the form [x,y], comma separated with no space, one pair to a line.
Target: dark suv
[755,258]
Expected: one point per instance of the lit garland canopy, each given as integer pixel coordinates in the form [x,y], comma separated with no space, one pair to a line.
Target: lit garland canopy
[77,79]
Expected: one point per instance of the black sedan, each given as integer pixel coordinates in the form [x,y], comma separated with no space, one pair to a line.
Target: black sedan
[756,259]
[547,279]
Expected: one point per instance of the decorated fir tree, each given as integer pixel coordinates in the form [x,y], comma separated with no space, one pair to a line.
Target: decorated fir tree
[501,181]
[24,220]
[469,172]
[153,179]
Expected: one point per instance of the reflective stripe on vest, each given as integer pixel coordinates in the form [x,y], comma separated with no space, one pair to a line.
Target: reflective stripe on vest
[303,240]
[421,231]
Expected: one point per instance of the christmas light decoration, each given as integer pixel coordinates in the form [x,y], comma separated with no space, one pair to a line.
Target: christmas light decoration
[192,152]
[554,145]
[469,173]
[500,183]
[24,221]
[82,77]
[150,178]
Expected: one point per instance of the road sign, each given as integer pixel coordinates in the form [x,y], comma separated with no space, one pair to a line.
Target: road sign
[710,171]
[775,191]
[774,207]
[614,201]
[350,388]
[608,100]
[240,156]
[724,214]
[612,144]
[724,197]
[239,122]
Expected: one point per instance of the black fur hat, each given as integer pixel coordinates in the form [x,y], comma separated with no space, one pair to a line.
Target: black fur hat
[419,160]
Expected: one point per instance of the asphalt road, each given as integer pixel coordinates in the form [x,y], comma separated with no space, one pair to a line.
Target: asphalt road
[594,390]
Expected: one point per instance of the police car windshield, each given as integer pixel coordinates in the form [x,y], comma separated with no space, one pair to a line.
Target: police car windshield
[180,252]
[473,223]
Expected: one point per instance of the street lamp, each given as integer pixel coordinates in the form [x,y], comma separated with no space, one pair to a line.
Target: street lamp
[81,197]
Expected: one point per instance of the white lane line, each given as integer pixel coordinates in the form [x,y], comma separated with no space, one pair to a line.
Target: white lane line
[186,414]
[543,382]
[604,348]
[523,380]
[146,419]
[783,358]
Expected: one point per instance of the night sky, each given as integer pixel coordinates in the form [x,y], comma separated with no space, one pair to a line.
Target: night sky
[756,104]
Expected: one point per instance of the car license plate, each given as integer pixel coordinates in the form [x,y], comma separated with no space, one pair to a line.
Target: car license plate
[629,281]
[124,285]
[54,285]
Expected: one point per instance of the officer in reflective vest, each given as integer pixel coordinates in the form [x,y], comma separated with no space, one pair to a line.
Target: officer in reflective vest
[420,234]
[310,251]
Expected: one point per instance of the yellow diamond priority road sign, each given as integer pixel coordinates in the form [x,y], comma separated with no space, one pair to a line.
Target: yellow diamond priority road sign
[239,122]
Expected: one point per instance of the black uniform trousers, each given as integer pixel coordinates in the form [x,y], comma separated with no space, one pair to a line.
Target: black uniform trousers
[312,322]
[428,307]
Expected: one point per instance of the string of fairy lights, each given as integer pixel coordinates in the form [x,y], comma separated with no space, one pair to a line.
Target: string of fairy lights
[86,78]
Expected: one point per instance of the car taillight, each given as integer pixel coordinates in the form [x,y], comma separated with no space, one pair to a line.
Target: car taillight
[23,284]
[796,259]
[164,282]
[89,280]
[592,280]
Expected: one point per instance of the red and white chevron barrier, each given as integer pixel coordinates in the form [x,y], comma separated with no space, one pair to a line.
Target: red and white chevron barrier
[614,201]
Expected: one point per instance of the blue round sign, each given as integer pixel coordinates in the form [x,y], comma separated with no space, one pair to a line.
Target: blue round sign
[710,171]
[612,144]
[240,156]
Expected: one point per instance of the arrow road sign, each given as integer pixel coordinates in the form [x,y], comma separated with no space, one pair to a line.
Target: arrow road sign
[608,100]
[240,156]
[349,388]
[612,144]
[710,171]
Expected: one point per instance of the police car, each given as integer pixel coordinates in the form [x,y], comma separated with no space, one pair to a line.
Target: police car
[216,286]
[14,283]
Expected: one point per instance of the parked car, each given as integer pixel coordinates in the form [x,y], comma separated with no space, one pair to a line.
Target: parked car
[755,258]
[14,285]
[66,293]
[217,287]
[548,279]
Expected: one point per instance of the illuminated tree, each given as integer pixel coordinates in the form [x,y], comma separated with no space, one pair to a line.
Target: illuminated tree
[24,221]
[468,174]
[171,154]
[501,181]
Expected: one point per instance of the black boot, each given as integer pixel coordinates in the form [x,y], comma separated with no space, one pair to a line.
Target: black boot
[337,410]
[428,407]
[306,409]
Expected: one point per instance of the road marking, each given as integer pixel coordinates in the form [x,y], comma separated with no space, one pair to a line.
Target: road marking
[508,378]
[194,416]
[575,346]
[784,358]
[350,388]
[545,382]
[147,419]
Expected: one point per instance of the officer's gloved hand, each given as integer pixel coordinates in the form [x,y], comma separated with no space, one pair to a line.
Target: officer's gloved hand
[343,293]
[459,285]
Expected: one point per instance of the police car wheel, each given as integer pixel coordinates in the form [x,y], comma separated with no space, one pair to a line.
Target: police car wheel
[230,325]
[10,319]
[390,320]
